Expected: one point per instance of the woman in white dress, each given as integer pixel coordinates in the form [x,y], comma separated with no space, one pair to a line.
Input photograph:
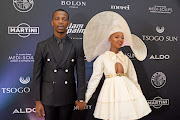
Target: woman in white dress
[120,97]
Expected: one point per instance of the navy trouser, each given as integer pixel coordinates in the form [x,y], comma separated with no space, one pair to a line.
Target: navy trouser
[58,113]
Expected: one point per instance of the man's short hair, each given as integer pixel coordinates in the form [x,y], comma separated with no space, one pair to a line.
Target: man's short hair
[60,10]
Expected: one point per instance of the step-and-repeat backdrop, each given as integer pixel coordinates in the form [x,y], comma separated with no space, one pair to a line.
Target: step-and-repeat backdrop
[24,23]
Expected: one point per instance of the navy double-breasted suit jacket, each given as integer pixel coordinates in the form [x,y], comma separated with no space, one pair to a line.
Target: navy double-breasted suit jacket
[53,72]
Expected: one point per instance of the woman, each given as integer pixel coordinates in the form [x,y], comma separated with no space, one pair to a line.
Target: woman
[120,97]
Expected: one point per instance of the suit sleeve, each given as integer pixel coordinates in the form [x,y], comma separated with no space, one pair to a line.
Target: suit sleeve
[37,73]
[95,78]
[80,70]
[131,74]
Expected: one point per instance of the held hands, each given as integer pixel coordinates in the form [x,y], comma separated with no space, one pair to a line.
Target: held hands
[80,105]
[40,109]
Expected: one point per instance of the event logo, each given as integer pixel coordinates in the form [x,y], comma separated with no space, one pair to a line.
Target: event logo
[23,5]
[158,79]
[23,111]
[23,30]
[88,107]
[24,80]
[160,9]
[116,7]
[73,4]
[160,29]
[158,102]
[22,57]
[159,57]
[75,28]
[160,38]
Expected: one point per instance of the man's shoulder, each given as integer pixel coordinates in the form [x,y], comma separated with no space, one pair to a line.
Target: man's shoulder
[44,42]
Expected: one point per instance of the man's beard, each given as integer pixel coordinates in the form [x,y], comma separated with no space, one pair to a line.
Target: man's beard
[61,32]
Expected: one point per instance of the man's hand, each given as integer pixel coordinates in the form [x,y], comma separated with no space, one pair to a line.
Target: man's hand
[80,105]
[40,109]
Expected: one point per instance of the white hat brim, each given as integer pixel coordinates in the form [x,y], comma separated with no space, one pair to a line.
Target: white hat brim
[98,31]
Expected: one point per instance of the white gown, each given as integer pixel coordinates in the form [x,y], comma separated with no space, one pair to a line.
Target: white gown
[120,97]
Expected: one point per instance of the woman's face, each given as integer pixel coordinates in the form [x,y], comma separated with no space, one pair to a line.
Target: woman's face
[116,39]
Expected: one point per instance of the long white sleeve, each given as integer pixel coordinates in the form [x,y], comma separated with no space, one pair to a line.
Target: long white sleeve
[131,73]
[95,78]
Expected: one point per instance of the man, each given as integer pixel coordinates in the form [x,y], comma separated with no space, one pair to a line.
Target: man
[53,73]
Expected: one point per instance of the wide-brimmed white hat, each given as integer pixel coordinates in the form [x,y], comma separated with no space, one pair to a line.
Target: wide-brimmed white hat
[101,27]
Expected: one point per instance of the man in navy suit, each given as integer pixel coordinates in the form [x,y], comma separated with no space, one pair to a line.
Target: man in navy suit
[53,74]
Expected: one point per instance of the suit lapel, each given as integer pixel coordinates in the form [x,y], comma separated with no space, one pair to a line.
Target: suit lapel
[66,51]
[54,48]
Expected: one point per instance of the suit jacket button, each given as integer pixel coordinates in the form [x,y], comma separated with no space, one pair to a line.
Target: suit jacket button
[55,70]
[48,60]
[54,82]
[66,70]
[72,60]
[66,82]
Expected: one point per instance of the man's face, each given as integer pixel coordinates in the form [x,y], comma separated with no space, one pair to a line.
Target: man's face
[60,22]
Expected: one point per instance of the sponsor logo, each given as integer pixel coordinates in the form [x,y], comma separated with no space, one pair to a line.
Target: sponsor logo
[24,80]
[23,5]
[116,7]
[131,56]
[73,4]
[88,107]
[16,90]
[160,30]
[23,30]
[160,9]
[21,57]
[159,57]
[160,38]
[23,111]
[76,38]
[158,79]
[19,89]
[75,28]
[158,102]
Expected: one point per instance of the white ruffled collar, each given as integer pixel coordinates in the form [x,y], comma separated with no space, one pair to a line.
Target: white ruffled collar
[113,55]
